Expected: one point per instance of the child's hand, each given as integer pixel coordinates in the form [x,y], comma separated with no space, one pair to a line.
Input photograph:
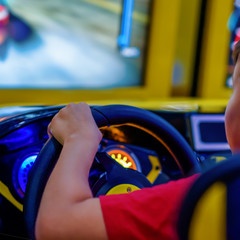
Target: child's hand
[75,122]
[67,200]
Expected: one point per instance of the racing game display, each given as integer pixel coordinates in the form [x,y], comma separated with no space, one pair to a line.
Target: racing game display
[74,44]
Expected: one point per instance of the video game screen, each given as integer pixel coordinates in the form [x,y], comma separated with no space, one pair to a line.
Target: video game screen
[74,44]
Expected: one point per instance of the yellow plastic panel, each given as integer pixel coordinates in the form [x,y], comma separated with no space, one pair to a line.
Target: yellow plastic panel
[215,50]
[122,188]
[209,217]
[4,191]
[156,168]
[162,47]
[187,36]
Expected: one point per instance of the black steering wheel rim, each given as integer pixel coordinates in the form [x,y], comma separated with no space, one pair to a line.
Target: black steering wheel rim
[107,116]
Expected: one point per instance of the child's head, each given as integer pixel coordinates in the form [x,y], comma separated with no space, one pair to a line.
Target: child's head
[232,114]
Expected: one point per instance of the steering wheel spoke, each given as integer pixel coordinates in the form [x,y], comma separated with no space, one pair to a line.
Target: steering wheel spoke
[116,175]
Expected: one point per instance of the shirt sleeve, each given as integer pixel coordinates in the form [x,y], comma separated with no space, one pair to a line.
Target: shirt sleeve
[149,213]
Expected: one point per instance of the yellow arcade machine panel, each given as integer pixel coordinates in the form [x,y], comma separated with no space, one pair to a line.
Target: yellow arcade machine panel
[214,59]
[186,47]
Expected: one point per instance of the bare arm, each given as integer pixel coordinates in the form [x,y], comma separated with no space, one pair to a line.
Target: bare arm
[67,209]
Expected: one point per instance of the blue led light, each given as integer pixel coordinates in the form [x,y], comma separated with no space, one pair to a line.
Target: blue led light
[18,136]
[24,169]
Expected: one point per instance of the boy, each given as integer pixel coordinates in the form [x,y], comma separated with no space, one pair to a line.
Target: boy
[68,210]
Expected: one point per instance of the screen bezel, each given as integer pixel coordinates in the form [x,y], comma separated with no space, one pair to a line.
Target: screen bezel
[198,143]
[157,76]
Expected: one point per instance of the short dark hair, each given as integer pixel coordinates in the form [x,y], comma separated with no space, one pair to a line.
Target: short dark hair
[236,51]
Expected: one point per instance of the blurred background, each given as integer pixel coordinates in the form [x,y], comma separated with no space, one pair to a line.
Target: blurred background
[116,50]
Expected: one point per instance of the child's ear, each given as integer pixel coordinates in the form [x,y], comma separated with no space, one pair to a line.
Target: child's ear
[236,50]
[232,122]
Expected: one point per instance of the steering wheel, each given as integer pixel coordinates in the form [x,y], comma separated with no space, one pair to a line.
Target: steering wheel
[107,116]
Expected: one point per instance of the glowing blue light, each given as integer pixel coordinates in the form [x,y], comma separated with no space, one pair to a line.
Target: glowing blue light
[21,135]
[23,171]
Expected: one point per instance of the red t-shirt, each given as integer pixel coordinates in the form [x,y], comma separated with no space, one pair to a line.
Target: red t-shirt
[150,213]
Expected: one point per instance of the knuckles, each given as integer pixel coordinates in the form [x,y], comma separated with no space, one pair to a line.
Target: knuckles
[73,108]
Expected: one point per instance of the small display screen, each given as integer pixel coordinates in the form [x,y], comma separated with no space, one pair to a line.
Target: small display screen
[212,132]
[74,44]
